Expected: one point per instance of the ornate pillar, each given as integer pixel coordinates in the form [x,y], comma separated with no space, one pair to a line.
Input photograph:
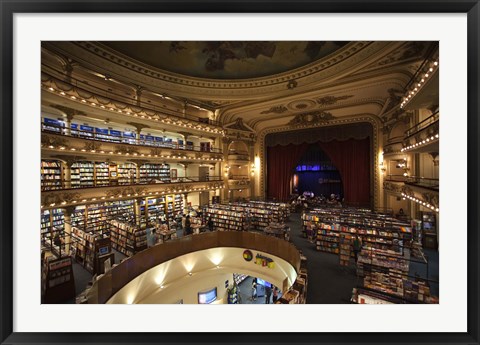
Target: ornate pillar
[138,163]
[136,209]
[138,129]
[67,216]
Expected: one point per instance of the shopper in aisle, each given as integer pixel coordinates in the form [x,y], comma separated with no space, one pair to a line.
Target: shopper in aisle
[275,293]
[210,224]
[188,226]
[184,219]
[268,293]
[254,289]
[357,246]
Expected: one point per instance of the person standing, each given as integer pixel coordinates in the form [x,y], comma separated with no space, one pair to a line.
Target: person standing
[188,226]
[275,294]
[254,289]
[184,220]
[268,293]
[357,247]
[210,224]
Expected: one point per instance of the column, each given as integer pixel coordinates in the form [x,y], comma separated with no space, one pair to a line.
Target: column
[136,207]
[138,130]
[67,171]
[68,124]
[67,216]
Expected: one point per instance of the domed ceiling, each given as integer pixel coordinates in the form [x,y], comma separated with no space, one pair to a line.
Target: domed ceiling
[225,59]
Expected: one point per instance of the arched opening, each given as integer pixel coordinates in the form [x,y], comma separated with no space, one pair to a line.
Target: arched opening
[316,173]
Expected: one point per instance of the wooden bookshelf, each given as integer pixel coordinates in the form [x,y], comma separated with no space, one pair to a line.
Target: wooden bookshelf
[51,173]
[58,284]
[128,239]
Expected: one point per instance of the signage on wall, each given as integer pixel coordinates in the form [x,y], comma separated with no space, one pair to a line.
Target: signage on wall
[264,261]
[259,259]
[247,255]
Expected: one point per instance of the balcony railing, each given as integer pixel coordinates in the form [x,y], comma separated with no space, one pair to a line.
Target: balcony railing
[429,183]
[50,185]
[77,133]
[422,125]
[238,177]
[99,92]
[113,281]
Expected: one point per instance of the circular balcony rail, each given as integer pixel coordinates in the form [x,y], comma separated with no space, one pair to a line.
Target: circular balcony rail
[119,276]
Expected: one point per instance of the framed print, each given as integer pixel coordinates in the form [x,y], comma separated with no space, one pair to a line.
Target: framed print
[318,125]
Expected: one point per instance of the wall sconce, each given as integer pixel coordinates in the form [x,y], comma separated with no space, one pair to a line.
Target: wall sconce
[252,170]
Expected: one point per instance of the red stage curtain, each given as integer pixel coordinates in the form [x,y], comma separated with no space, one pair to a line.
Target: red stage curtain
[281,161]
[352,159]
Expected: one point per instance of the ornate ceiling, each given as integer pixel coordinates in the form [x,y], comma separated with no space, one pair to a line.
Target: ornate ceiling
[224,59]
[267,84]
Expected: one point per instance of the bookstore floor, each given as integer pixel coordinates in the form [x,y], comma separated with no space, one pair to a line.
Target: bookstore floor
[329,283]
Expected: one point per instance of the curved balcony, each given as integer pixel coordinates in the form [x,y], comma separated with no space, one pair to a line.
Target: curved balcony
[139,265]
[68,185]
[52,129]
[424,136]
[238,181]
[393,146]
[73,196]
[86,94]
[238,157]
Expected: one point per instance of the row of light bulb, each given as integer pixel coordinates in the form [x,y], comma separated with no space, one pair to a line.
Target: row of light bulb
[423,142]
[419,85]
[63,148]
[167,121]
[421,202]
[134,195]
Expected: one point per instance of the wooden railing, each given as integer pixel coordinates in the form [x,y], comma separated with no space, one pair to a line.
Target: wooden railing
[114,280]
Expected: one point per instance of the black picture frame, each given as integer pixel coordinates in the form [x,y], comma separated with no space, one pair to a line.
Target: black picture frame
[10,7]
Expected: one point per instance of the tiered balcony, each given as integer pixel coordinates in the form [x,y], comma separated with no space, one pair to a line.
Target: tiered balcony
[423,137]
[114,192]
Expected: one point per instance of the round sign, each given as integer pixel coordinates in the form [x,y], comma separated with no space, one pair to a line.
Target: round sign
[247,255]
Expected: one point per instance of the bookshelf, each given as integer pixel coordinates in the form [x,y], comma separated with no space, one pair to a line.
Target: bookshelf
[82,174]
[51,174]
[52,227]
[239,277]
[126,238]
[345,249]
[127,173]
[226,220]
[102,174]
[90,249]
[375,230]
[152,172]
[58,284]
[123,211]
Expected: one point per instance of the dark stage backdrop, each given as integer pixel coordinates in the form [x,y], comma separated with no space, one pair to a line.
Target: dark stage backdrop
[320,182]
[281,162]
[351,157]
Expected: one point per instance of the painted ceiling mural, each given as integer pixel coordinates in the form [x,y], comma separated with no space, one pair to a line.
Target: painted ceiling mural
[226,59]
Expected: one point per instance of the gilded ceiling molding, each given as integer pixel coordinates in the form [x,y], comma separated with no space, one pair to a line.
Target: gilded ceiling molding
[372,119]
[332,66]
[311,119]
[330,100]
[276,109]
